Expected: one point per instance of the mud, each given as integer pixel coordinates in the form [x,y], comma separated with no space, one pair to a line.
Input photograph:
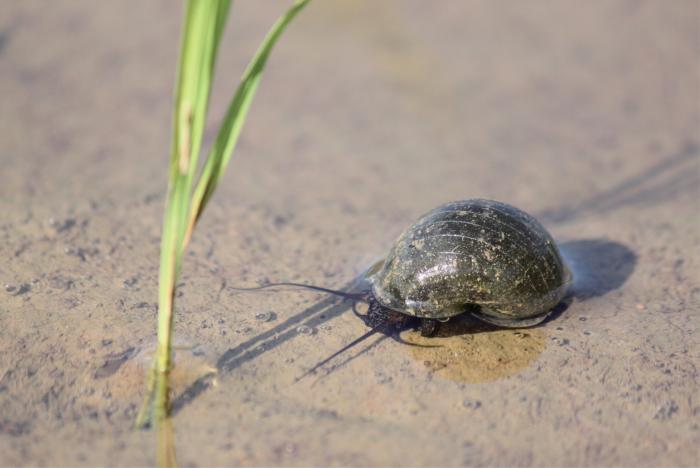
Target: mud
[477,356]
[371,113]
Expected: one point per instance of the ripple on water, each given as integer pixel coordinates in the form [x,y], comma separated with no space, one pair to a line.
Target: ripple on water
[126,379]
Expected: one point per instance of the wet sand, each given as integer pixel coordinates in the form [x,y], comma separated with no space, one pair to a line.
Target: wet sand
[584,114]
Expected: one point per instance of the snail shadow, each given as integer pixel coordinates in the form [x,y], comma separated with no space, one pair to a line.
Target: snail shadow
[313,316]
[598,266]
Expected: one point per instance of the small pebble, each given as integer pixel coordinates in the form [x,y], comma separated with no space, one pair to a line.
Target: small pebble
[266,316]
[471,404]
[61,226]
[305,330]
[582,319]
[129,282]
[18,290]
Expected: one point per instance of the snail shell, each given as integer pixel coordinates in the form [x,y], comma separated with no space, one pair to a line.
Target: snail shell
[479,256]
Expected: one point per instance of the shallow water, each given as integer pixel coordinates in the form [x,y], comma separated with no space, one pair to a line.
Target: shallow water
[370,114]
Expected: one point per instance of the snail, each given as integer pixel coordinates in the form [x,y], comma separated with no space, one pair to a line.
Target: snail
[475,256]
[479,257]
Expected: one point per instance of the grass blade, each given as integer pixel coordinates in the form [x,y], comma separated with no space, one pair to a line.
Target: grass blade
[203,27]
[226,140]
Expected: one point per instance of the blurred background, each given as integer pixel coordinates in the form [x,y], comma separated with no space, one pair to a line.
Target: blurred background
[585,114]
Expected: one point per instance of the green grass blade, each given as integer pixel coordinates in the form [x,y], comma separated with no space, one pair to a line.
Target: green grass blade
[203,26]
[205,23]
[203,29]
[225,142]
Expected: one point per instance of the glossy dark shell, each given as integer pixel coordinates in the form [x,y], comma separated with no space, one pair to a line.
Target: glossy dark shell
[473,253]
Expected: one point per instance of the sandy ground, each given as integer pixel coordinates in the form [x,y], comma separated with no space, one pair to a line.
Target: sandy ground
[585,114]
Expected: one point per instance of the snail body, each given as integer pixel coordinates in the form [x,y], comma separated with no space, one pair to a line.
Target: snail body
[474,256]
